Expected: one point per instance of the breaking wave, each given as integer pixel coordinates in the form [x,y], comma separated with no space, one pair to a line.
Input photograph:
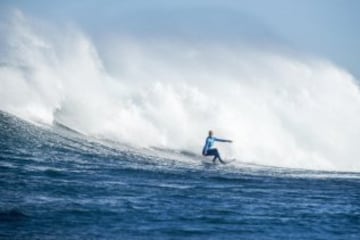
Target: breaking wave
[280,109]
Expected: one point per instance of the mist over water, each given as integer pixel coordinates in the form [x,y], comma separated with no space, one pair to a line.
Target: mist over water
[280,109]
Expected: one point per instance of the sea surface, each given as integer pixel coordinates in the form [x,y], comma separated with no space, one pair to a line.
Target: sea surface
[58,184]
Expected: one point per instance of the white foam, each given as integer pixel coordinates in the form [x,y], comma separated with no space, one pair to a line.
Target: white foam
[280,110]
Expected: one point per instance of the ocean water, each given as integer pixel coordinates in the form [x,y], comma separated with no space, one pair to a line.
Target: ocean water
[59,184]
[100,136]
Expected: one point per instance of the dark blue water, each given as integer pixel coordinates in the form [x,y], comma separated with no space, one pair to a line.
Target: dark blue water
[57,184]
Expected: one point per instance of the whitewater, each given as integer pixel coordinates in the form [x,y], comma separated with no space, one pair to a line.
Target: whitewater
[280,109]
[101,138]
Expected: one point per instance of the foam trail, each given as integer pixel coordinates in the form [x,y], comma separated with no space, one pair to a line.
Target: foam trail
[279,110]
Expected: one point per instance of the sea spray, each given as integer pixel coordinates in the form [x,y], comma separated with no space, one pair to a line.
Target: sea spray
[280,110]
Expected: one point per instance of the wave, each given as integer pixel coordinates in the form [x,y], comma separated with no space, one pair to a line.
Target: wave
[12,215]
[280,109]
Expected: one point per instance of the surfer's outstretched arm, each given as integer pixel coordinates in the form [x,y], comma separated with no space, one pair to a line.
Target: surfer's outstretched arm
[223,140]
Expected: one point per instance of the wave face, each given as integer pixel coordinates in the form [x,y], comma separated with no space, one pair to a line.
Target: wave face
[280,109]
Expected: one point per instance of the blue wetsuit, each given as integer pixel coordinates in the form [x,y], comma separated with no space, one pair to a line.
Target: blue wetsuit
[209,150]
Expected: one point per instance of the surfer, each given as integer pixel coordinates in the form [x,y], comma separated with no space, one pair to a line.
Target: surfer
[209,149]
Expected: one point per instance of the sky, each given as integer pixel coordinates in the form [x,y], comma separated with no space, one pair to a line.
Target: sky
[324,28]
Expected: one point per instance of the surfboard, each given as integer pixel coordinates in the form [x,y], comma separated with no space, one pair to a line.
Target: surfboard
[211,163]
